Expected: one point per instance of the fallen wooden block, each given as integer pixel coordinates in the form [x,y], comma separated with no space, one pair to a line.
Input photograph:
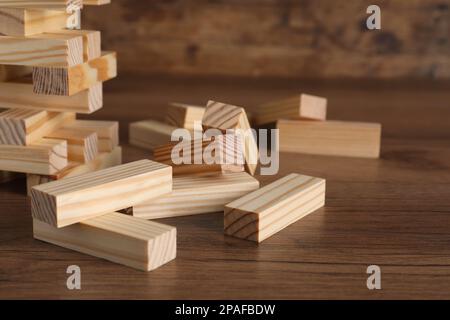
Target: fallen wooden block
[225,117]
[67,81]
[91,41]
[71,200]
[197,195]
[149,134]
[46,156]
[264,212]
[137,243]
[304,106]
[333,138]
[182,115]
[44,4]
[23,127]
[107,132]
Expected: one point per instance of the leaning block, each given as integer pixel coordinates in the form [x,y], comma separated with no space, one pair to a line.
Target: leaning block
[107,132]
[182,115]
[149,134]
[197,194]
[262,213]
[332,138]
[137,243]
[71,200]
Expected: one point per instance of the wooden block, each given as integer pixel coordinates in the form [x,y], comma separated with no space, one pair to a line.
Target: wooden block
[220,154]
[23,127]
[44,4]
[304,106]
[225,117]
[72,80]
[137,243]
[46,156]
[262,213]
[27,22]
[197,195]
[16,95]
[8,73]
[91,42]
[82,146]
[107,132]
[57,50]
[333,138]
[182,115]
[71,200]
[149,134]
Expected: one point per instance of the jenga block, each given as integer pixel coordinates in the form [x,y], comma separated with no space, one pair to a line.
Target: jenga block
[71,200]
[149,134]
[264,212]
[197,195]
[137,243]
[26,22]
[220,154]
[82,146]
[333,138]
[8,73]
[44,4]
[46,156]
[91,42]
[107,132]
[304,106]
[225,117]
[16,95]
[71,80]
[182,115]
[23,127]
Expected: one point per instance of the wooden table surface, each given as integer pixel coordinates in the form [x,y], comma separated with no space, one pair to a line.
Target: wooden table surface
[393,212]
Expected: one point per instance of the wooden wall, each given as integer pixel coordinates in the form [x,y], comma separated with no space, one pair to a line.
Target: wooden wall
[287,38]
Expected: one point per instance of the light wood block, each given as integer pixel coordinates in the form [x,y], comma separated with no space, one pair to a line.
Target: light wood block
[107,132]
[46,156]
[332,138]
[72,80]
[182,115]
[198,194]
[149,134]
[91,41]
[71,200]
[137,243]
[44,4]
[23,127]
[304,106]
[225,117]
[262,213]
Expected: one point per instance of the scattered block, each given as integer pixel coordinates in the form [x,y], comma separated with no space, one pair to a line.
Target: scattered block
[107,132]
[197,195]
[225,117]
[264,212]
[182,115]
[333,138]
[46,156]
[71,200]
[23,127]
[149,134]
[304,106]
[137,243]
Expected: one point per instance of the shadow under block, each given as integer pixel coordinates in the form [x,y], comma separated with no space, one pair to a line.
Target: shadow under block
[264,212]
[46,156]
[137,243]
[43,4]
[332,138]
[197,194]
[182,115]
[225,117]
[149,134]
[16,95]
[23,127]
[8,176]
[304,106]
[71,200]
[107,132]
[71,80]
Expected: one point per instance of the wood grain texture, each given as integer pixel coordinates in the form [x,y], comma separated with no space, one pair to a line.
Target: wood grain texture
[91,41]
[23,127]
[140,244]
[64,202]
[183,115]
[264,212]
[197,195]
[107,132]
[46,156]
[334,138]
[72,80]
[42,4]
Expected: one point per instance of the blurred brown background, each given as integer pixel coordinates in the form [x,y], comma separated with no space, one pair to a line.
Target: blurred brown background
[277,38]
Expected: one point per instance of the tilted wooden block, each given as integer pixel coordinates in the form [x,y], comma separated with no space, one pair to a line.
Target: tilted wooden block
[262,213]
[107,132]
[225,117]
[46,156]
[304,106]
[182,115]
[137,243]
[23,127]
[44,4]
[333,138]
[71,80]
[197,195]
[71,200]
[91,41]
